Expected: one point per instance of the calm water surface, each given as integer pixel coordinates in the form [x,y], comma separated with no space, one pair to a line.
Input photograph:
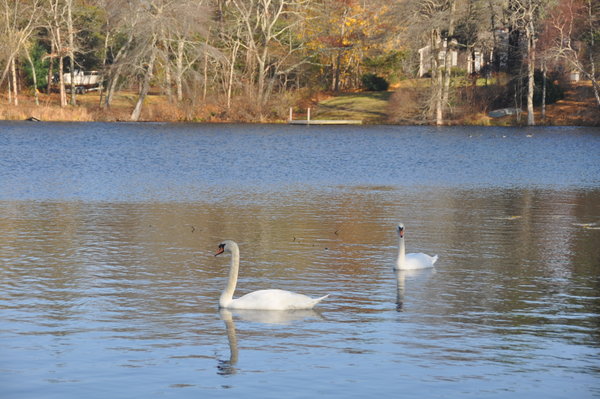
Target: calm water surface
[108,286]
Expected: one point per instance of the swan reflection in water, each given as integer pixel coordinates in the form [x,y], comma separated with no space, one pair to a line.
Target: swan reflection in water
[401,283]
[227,367]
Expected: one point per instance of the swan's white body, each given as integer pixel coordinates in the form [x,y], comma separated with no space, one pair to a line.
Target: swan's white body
[273,299]
[411,261]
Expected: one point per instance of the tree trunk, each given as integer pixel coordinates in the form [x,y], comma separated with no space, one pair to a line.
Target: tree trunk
[544,90]
[447,64]
[71,52]
[596,88]
[234,53]
[168,80]
[50,71]
[261,79]
[101,89]
[205,81]
[15,88]
[34,76]
[530,33]
[51,66]
[179,71]
[9,87]
[337,70]
[135,115]
[63,94]
[439,114]
[112,87]
[114,77]
[436,78]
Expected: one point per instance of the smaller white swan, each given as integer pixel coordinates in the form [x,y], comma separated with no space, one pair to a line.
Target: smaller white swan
[411,261]
[262,299]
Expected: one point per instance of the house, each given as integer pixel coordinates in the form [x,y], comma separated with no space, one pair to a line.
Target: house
[425,57]
[469,59]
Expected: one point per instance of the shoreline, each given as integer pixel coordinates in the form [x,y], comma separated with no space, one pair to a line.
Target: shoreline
[300,126]
[570,111]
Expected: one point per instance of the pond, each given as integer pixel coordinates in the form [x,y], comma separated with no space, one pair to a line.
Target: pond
[109,286]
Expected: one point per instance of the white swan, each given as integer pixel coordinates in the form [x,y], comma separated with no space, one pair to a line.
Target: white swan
[259,300]
[411,261]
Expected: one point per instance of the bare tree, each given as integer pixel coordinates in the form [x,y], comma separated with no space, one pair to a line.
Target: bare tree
[442,104]
[55,17]
[20,19]
[147,73]
[33,75]
[184,28]
[71,45]
[525,16]
[264,25]
[571,38]
[434,22]
[132,49]
[231,38]
[158,39]
[143,57]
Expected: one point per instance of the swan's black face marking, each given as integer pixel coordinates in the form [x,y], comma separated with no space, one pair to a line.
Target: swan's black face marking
[221,249]
[401,231]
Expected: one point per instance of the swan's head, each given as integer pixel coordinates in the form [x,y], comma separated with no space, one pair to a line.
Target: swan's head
[400,230]
[226,246]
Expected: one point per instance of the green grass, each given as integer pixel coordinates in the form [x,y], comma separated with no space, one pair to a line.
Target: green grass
[370,107]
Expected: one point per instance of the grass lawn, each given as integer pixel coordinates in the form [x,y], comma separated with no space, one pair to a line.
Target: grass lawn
[370,107]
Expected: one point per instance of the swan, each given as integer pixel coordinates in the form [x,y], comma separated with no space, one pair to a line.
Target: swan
[259,300]
[411,261]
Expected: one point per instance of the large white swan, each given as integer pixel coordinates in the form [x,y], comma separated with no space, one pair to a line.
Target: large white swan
[259,300]
[411,261]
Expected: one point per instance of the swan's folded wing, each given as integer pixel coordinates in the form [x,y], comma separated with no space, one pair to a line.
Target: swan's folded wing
[419,261]
[274,299]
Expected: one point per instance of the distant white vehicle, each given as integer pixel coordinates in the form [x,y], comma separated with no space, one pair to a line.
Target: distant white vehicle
[83,81]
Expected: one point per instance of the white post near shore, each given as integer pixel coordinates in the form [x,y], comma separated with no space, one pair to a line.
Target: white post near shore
[307,121]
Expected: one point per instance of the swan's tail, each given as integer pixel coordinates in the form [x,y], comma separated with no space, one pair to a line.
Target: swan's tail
[317,300]
[434,259]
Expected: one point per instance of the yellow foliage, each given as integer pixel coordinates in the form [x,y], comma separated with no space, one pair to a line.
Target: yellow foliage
[342,33]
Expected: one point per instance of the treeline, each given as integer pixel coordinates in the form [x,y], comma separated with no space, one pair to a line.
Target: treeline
[250,59]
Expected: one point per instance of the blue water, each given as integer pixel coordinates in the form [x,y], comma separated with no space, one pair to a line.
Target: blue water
[116,162]
[109,286]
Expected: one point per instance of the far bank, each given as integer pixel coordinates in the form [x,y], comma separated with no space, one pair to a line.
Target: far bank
[397,106]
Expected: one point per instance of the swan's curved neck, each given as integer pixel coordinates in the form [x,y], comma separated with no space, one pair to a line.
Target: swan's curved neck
[401,252]
[227,295]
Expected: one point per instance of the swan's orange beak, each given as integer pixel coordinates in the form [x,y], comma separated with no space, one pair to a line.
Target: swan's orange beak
[220,251]
[401,232]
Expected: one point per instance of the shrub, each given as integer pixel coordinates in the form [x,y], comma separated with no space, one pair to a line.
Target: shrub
[372,82]
[387,64]
[41,67]
[554,91]
[457,71]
